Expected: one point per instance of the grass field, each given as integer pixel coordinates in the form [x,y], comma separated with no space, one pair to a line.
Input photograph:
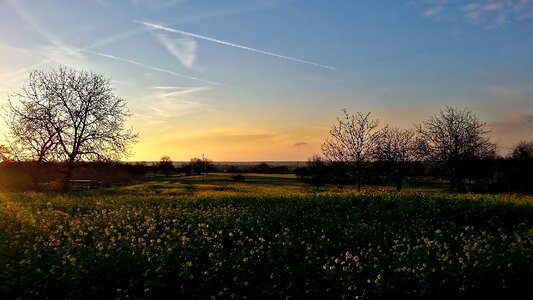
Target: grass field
[270,236]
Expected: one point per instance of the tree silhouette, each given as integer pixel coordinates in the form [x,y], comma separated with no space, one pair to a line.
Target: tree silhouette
[350,144]
[394,151]
[79,112]
[318,171]
[455,138]
[521,167]
[32,139]
[200,165]
[165,165]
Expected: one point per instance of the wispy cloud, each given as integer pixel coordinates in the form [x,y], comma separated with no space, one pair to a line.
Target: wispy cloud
[114,38]
[206,38]
[504,92]
[102,3]
[61,53]
[172,102]
[155,4]
[512,128]
[64,55]
[300,144]
[193,18]
[489,13]
[27,17]
[238,141]
[432,11]
[133,62]
[174,92]
[58,47]
[231,135]
[72,56]
[10,79]
[184,49]
[513,122]
[14,75]
[57,51]
[166,4]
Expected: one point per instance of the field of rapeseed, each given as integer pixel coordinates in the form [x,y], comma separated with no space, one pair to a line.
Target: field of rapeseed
[211,238]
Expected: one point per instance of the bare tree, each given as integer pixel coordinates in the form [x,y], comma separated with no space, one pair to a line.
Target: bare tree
[4,153]
[317,171]
[520,160]
[454,138]
[350,144]
[394,151]
[200,165]
[165,165]
[81,114]
[32,139]
[523,150]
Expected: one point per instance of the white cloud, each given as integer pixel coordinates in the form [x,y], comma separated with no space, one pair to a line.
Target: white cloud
[489,13]
[432,11]
[184,49]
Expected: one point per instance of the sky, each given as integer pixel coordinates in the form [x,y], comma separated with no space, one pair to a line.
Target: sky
[264,80]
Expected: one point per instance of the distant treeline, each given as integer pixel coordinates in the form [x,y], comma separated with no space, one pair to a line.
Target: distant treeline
[510,174]
[15,175]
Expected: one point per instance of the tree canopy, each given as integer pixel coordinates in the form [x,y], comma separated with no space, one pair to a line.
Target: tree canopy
[455,138]
[351,142]
[72,111]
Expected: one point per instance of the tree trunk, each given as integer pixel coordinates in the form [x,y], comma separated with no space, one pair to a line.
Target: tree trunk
[451,184]
[399,182]
[35,176]
[461,185]
[35,173]
[68,175]
[452,180]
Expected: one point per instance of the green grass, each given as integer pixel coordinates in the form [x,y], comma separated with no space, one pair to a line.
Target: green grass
[269,236]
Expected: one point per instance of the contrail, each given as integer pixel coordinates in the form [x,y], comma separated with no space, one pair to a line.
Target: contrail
[154,68]
[156,26]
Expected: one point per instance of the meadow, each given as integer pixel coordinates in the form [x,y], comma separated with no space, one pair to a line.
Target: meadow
[269,236]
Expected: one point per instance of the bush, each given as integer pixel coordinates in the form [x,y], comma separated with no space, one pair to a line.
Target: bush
[238,177]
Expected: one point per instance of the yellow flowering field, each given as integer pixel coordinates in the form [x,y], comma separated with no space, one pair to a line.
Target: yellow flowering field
[267,237]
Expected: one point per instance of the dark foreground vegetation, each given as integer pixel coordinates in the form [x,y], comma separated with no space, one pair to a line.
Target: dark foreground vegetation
[211,237]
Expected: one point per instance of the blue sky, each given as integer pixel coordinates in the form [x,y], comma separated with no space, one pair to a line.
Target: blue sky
[264,80]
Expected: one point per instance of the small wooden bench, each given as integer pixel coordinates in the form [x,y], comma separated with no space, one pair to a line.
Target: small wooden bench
[84,184]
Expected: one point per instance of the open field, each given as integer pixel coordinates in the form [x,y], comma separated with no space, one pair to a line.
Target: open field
[271,236]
